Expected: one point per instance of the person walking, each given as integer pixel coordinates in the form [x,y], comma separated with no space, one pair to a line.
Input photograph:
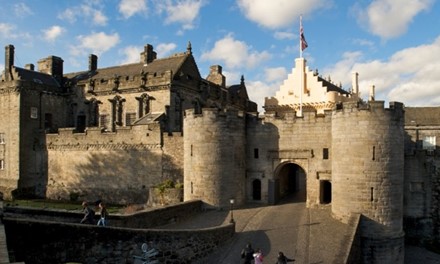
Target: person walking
[103,214]
[89,214]
[258,257]
[282,259]
[247,254]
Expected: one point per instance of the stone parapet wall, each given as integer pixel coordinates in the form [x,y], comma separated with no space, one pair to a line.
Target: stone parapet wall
[49,236]
[147,218]
[44,242]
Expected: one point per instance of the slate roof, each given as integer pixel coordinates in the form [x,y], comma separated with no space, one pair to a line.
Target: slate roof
[331,87]
[425,116]
[37,77]
[172,63]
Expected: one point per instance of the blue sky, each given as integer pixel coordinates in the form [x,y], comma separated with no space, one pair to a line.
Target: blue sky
[392,44]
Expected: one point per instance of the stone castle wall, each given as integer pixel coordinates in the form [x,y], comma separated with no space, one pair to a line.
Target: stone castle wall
[10,129]
[367,176]
[118,167]
[214,157]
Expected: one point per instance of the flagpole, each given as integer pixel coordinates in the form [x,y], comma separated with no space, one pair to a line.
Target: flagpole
[302,68]
[300,40]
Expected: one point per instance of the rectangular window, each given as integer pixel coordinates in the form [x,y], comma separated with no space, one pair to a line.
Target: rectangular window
[130,118]
[34,112]
[2,138]
[256,153]
[2,164]
[104,121]
[325,153]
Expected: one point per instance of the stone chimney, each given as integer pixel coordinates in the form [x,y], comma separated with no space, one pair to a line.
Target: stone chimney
[148,55]
[372,95]
[93,62]
[355,82]
[52,65]
[216,76]
[30,67]
[9,62]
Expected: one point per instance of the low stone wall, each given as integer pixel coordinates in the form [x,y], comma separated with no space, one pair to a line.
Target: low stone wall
[43,236]
[147,218]
[45,242]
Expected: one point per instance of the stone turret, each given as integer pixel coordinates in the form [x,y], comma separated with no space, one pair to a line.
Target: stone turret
[367,175]
[214,157]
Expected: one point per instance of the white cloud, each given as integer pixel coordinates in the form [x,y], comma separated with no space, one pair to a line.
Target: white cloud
[278,13]
[164,49]
[275,74]
[235,54]
[22,10]
[129,8]
[6,30]
[131,54]
[184,12]
[52,33]
[409,75]
[390,18]
[96,43]
[88,11]
[259,90]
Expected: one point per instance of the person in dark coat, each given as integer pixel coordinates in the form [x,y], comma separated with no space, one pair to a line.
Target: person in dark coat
[89,214]
[282,259]
[247,254]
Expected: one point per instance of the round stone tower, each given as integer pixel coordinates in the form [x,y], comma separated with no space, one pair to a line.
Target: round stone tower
[214,157]
[367,175]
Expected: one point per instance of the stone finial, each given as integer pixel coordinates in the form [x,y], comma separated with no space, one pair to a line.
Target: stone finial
[189,48]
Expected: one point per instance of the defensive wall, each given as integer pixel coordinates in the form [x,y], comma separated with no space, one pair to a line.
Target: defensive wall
[118,167]
[52,240]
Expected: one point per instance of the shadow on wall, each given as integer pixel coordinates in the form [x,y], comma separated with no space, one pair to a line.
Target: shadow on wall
[118,174]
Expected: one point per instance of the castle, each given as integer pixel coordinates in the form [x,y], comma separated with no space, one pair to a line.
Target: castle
[113,133]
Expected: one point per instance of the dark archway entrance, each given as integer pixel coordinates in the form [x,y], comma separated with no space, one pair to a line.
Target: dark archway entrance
[256,190]
[325,192]
[291,179]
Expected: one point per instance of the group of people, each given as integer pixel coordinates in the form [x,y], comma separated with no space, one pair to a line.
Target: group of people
[89,214]
[248,254]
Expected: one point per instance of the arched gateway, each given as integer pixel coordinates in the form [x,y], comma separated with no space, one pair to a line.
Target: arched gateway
[289,181]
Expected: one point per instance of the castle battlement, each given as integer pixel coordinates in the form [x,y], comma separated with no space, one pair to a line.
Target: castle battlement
[136,135]
[209,113]
[395,108]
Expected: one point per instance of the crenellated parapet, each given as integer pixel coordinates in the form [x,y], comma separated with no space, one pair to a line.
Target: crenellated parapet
[95,138]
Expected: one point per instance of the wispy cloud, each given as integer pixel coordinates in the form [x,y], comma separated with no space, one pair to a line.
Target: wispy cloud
[52,33]
[96,43]
[390,18]
[88,11]
[184,12]
[129,8]
[22,10]
[235,53]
